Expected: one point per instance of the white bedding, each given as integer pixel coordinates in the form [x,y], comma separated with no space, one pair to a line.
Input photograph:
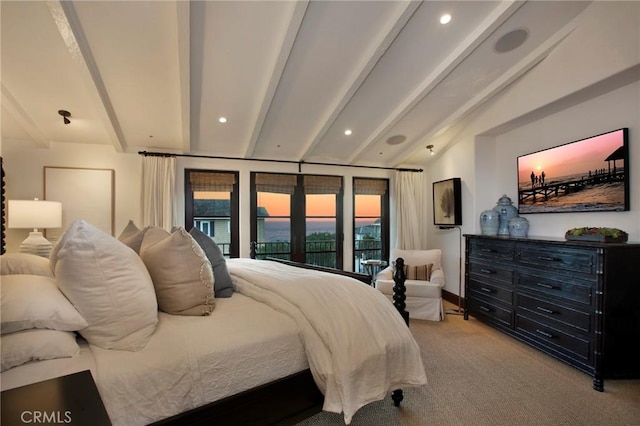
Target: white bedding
[38,371]
[357,345]
[348,333]
[191,361]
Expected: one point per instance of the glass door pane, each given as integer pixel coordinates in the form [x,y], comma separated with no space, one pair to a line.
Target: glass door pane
[321,230]
[368,229]
[273,225]
[212,215]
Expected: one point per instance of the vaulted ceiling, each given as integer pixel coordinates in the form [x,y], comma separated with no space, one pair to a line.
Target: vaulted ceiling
[289,76]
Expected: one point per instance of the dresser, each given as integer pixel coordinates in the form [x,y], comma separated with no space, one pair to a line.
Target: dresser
[576,301]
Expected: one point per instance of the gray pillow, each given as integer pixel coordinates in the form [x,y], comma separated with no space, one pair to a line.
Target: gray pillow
[222,286]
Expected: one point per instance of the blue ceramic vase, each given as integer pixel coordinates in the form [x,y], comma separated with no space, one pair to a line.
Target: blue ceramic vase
[518,227]
[489,222]
[507,212]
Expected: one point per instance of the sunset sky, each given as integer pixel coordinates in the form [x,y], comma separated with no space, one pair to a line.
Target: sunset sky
[576,157]
[318,205]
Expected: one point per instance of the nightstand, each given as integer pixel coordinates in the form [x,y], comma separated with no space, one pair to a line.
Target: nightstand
[71,400]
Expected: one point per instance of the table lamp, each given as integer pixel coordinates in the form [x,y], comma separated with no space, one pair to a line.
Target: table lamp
[35,214]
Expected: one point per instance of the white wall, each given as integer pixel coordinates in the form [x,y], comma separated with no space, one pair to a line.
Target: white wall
[588,85]
[24,179]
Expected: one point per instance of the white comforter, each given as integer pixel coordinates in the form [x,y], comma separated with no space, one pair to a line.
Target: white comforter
[357,345]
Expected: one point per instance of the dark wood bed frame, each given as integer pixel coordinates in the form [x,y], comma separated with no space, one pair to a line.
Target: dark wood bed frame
[289,400]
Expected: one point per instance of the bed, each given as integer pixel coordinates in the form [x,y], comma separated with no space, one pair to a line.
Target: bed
[286,343]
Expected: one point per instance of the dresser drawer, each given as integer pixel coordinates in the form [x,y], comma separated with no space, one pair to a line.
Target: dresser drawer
[490,291]
[542,285]
[553,313]
[492,250]
[489,311]
[489,272]
[575,346]
[559,258]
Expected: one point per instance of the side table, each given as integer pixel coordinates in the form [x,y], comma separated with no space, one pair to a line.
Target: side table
[72,400]
[372,267]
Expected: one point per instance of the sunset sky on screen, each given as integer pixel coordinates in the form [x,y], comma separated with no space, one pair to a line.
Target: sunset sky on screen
[577,157]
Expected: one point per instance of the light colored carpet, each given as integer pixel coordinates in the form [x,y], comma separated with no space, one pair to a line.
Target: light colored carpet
[480,376]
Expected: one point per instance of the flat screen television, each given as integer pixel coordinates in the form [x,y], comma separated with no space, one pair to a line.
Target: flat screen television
[587,175]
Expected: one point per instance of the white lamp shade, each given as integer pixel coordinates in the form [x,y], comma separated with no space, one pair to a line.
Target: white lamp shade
[34,214]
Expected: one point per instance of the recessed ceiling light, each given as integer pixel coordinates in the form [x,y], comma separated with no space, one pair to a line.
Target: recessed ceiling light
[222,119]
[445,19]
[348,132]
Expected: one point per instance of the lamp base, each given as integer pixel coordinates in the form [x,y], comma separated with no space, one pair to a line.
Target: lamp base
[36,244]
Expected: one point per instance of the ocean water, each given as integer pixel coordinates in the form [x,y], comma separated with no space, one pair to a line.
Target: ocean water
[280,230]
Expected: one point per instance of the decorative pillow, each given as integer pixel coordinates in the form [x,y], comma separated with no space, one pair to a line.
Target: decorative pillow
[32,345]
[108,284]
[132,236]
[34,301]
[24,263]
[181,273]
[223,286]
[421,272]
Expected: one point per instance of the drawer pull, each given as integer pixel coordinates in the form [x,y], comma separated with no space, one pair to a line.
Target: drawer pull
[487,250]
[486,290]
[545,310]
[484,309]
[547,258]
[549,286]
[486,271]
[545,334]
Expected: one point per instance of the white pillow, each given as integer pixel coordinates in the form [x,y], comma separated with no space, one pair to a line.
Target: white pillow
[181,273]
[132,236]
[33,301]
[24,263]
[108,284]
[36,344]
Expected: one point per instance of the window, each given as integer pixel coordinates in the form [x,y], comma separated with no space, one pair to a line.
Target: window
[211,205]
[370,221]
[298,217]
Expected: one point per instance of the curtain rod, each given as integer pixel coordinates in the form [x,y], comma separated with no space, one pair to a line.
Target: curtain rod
[299,163]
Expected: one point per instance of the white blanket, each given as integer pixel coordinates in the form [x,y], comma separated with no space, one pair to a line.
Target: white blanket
[357,345]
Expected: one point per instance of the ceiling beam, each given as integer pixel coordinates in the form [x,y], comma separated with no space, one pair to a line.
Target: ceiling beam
[295,21]
[70,29]
[184,59]
[20,115]
[498,16]
[386,38]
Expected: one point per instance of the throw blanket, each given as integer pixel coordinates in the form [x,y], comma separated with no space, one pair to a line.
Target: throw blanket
[357,345]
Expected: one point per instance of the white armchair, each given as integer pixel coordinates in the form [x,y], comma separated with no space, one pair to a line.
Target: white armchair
[424,298]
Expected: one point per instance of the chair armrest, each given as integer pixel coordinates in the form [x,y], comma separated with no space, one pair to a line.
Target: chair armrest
[385,274]
[437,277]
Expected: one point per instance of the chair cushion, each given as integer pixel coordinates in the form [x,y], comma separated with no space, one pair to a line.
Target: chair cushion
[414,288]
[420,272]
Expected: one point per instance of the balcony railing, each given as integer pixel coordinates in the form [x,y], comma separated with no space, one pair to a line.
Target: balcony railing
[320,252]
[366,249]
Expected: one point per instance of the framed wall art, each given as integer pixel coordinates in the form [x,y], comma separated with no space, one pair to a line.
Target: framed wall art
[447,202]
[85,193]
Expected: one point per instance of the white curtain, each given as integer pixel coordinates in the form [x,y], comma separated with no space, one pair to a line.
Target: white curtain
[158,186]
[411,210]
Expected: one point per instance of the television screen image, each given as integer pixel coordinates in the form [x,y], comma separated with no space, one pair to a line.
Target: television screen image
[587,175]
